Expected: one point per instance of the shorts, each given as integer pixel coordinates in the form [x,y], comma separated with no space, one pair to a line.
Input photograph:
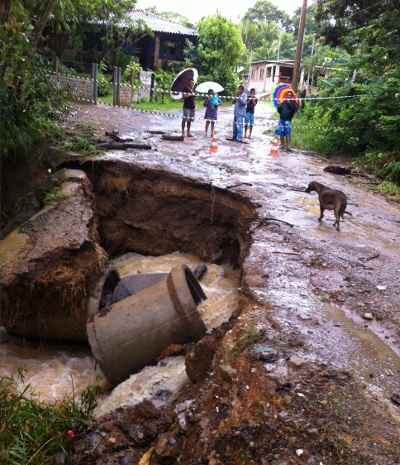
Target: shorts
[249,119]
[188,114]
[284,128]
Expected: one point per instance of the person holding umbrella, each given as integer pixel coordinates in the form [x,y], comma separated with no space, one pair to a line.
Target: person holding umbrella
[189,107]
[287,109]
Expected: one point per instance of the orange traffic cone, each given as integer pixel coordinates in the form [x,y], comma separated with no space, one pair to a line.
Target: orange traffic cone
[275,148]
[214,144]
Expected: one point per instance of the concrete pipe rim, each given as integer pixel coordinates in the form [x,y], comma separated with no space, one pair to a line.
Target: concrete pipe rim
[186,293]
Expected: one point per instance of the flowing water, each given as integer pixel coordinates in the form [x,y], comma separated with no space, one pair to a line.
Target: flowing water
[54,371]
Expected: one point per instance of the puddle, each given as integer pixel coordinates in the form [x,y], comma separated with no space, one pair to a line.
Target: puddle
[372,358]
[54,371]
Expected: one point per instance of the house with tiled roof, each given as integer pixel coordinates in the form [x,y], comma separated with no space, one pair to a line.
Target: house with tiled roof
[155,41]
[165,44]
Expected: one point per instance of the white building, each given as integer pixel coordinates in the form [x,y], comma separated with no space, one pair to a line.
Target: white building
[264,75]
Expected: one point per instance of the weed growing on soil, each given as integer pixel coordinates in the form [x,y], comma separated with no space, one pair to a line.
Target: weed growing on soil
[53,196]
[79,138]
[33,433]
[388,187]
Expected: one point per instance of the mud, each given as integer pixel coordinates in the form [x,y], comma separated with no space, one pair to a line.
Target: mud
[52,372]
[156,212]
[49,264]
[322,393]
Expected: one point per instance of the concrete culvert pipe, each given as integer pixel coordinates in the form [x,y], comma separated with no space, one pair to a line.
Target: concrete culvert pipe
[131,333]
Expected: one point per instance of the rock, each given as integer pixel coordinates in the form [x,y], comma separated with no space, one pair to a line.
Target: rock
[335,169]
[228,373]
[158,384]
[396,399]
[368,316]
[142,423]
[296,361]
[198,360]
[48,265]
[4,336]
[171,350]
[264,353]
[167,446]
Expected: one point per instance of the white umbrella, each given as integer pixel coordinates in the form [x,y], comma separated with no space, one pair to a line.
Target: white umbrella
[182,81]
[204,87]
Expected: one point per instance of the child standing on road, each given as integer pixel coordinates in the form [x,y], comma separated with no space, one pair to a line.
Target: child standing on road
[287,109]
[211,103]
[251,104]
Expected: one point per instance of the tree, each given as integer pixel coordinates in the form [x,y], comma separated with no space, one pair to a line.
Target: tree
[219,50]
[28,102]
[172,16]
[369,123]
[265,11]
[311,20]
[267,32]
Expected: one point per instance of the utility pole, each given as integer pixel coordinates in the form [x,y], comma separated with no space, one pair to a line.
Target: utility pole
[278,56]
[300,40]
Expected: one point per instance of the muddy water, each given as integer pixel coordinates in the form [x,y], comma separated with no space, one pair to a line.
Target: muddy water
[54,372]
[161,383]
[219,283]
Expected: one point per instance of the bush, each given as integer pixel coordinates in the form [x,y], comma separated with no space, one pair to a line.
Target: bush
[104,86]
[28,119]
[32,432]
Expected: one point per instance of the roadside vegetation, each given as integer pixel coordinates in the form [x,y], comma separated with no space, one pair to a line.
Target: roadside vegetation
[365,126]
[34,433]
[30,105]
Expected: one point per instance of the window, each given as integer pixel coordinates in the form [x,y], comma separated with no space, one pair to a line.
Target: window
[269,71]
[168,49]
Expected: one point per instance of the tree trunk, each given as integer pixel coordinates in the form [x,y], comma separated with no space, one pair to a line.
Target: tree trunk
[5,8]
[41,24]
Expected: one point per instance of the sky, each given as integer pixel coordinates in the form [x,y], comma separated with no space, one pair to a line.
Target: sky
[196,9]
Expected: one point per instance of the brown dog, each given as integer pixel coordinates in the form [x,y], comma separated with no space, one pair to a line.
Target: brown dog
[330,199]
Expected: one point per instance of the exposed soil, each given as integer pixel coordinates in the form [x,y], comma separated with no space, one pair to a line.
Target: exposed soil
[50,263]
[302,376]
[154,212]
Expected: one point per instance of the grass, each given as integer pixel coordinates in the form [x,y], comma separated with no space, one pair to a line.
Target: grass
[390,188]
[168,104]
[53,196]
[78,139]
[33,433]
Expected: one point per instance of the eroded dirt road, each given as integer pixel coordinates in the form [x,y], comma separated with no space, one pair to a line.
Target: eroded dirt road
[311,286]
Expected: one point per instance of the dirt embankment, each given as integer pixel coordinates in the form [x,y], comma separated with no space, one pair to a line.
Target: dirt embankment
[253,402]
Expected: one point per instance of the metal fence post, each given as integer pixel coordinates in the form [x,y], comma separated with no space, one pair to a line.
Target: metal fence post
[152,87]
[95,69]
[57,67]
[119,73]
[114,86]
